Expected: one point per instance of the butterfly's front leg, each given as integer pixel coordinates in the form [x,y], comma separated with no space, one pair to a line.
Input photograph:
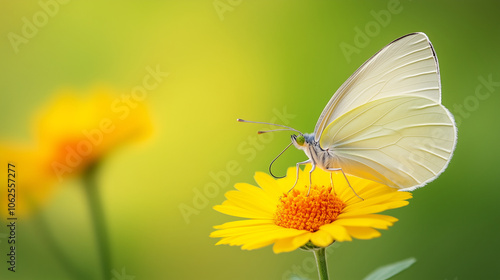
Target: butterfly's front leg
[297,177]
[310,177]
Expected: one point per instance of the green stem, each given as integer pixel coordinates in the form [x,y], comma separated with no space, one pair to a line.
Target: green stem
[97,216]
[57,251]
[320,255]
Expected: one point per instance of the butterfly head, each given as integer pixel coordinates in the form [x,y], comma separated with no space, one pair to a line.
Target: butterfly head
[298,141]
[302,141]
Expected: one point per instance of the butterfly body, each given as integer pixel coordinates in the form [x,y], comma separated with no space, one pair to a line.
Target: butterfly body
[322,158]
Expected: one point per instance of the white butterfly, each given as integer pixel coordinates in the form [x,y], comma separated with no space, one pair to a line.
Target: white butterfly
[386,122]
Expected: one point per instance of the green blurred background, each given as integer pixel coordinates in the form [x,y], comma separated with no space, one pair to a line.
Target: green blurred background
[231,59]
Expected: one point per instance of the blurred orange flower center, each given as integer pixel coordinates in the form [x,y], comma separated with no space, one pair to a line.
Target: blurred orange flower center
[308,212]
[75,152]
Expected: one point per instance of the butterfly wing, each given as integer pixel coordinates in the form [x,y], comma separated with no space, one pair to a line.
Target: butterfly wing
[400,141]
[406,67]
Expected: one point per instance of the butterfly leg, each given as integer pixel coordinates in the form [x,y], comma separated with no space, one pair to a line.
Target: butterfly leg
[349,184]
[331,182]
[297,178]
[310,178]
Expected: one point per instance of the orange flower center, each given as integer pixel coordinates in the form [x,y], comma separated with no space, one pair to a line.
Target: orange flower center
[308,212]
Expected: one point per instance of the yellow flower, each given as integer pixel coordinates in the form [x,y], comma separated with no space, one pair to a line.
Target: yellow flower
[30,184]
[76,131]
[72,132]
[290,220]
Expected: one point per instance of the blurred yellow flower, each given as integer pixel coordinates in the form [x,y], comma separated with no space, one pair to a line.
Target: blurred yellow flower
[71,133]
[291,220]
[31,183]
[77,131]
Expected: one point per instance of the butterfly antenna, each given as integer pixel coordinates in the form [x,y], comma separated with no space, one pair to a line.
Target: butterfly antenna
[285,128]
[272,130]
[271,165]
[280,125]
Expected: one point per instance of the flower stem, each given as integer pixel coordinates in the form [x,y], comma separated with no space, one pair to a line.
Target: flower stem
[320,255]
[97,216]
[58,252]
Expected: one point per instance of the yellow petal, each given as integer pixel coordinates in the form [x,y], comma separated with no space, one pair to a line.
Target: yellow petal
[243,213]
[255,193]
[239,231]
[371,201]
[337,232]
[302,239]
[373,216]
[373,208]
[362,232]
[291,243]
[244,223]
[246,201]
[286,183]
[269,238]
[364,222]
[268,184]
[321,238]
[262,236]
